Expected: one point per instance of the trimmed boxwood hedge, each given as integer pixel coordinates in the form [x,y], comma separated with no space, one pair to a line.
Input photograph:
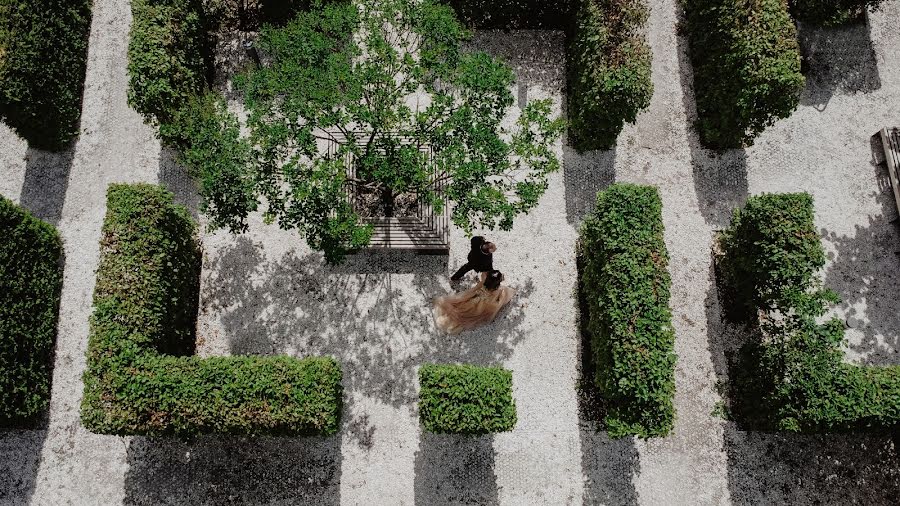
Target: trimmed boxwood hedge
[30,283]
[466,399]
[625,285]
[609,71]
[166,66]
[139,379]
[746,61]
[43,58]
[792,376]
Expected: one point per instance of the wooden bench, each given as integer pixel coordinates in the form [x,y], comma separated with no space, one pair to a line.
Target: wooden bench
[890,140]
[409,234]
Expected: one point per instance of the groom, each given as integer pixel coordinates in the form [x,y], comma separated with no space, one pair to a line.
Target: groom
[480,258]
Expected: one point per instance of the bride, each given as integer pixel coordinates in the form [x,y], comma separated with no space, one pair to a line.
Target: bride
[476,306]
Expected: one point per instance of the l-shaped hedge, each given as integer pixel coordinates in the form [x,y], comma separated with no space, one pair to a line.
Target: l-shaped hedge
[140,377]
[43,58]
[30,285]
[746,61]
[793,376]
[625,285]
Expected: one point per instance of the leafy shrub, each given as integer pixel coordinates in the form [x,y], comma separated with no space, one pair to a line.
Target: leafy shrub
[626,288]
[546,14]
[746,61]
[609,71]
[792,376]
[139,379]
[771,246]
[43,57]
[466,399]
[30,284]
[165,56]
[832,12]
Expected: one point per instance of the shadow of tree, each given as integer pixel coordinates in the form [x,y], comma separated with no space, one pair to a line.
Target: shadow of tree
[837,61]
[455,469]
[369,313]
[217,470]
[46,182]
[20,459]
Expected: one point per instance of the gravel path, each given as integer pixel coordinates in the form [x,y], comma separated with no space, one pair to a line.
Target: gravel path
[264,293]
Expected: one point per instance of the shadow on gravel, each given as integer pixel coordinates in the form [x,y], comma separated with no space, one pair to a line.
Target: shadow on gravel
[586,174]
[369,313]
[455,469]
[226,470]
[837,61]
[786,468]
[177,180]
[864,269]
[720,176]
[20,459]
[46,182]
[607,465]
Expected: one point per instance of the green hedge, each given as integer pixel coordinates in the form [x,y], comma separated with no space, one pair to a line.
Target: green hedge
[546,14]
[792,376]
[43,57]
[625,285]
[166,66]
[832,12]
[140,378]
[609,71]
[746,61]
[466,399]
[30,284]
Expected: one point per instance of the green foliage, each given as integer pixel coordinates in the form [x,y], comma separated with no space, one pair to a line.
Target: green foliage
[771,247]
[466,399]
[626,288]
[319,87]
[746,61]
[792,376]
[139,379]
[165,56]
[43,57]
[543,14]
[832,12]
[30,284]
[609,71]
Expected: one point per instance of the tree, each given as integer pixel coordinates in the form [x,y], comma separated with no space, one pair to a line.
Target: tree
[380,98]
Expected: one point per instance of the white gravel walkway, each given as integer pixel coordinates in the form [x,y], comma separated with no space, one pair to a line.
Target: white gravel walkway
[265,292]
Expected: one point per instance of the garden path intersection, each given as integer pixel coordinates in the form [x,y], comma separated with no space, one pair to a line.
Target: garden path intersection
[265,292]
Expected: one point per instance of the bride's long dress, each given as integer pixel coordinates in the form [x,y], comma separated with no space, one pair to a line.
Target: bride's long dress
[471,308]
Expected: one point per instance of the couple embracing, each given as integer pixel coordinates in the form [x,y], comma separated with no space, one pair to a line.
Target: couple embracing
[479,304]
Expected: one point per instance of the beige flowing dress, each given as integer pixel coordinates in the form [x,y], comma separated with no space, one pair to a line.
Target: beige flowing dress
[471,308]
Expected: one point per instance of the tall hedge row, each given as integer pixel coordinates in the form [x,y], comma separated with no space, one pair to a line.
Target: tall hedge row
[140,377]
[43,58]
[30,284]
[609,71]
[625,285]
[793,376]
[746,62]
[166,66]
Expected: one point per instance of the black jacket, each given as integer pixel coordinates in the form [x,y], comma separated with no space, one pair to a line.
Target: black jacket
[479,260]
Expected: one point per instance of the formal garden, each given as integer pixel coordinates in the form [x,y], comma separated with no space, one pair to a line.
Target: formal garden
[223,223]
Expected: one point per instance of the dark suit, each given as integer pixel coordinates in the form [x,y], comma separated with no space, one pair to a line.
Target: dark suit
[479,261]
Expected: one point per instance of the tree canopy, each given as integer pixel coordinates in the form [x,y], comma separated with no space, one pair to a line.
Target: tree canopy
[380,96]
